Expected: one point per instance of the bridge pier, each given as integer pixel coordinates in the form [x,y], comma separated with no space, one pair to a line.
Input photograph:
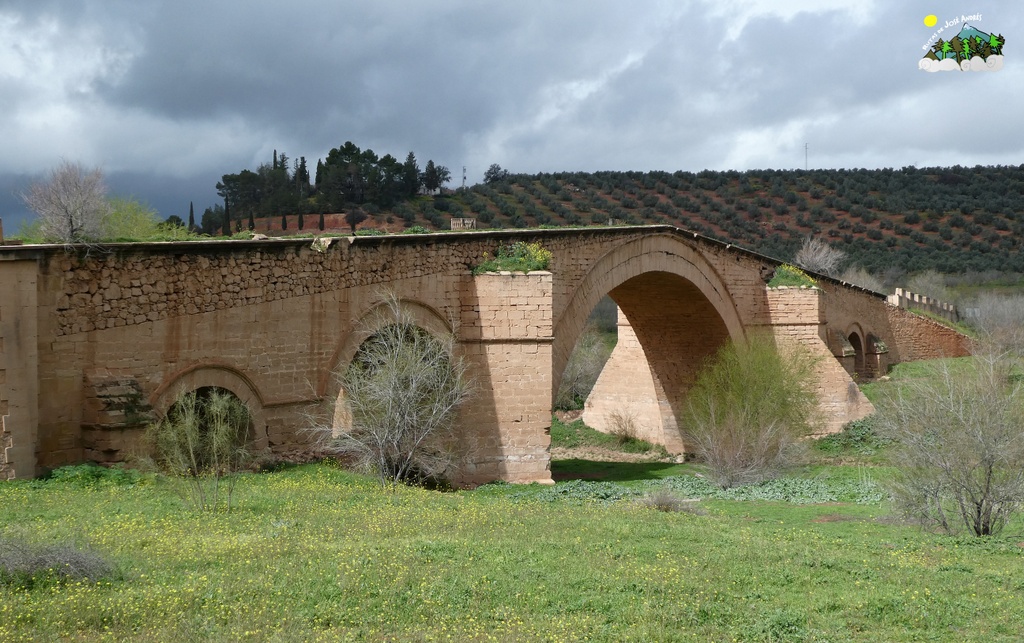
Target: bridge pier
[506,340]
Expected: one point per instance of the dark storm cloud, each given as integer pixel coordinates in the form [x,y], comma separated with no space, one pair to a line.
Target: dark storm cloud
[168,96]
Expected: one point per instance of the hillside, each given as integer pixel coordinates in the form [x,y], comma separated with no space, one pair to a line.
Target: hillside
[947,219]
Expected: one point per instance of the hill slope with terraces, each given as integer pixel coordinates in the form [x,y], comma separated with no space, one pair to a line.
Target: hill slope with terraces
[948,219]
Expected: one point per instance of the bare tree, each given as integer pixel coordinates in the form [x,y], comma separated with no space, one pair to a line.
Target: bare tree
[817,256]
[931,284]
[403,391]
[71,203]
[959,445]
[999,320]
[860,277]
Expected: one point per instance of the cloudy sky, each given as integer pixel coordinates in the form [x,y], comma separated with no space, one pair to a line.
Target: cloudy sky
[167,96]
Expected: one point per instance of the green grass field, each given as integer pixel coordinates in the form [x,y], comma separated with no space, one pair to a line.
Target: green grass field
[313,553]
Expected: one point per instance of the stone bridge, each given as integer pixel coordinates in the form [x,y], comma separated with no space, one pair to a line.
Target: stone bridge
[94,343]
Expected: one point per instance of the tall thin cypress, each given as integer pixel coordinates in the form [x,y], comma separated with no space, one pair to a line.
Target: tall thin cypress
[321,220]
[191,218]
[300,220]
[252,221]
[284,221]
[227,220]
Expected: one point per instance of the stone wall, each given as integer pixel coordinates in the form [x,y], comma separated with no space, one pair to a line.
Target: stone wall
[921,338]
[19,392]
[796,317]
[626,391]
[906,299]
[799,318]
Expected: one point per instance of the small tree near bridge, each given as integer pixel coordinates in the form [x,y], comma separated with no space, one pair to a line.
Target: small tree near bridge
[402,393]
[958,439]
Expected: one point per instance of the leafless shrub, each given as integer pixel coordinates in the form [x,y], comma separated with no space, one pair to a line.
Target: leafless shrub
[931,284]
[999,321]
[749,409]
[71,203]
[622,424]
[959,445]
[23,564]
[860,277]
[581,372]
[403,391]
[817,256]
[668,501]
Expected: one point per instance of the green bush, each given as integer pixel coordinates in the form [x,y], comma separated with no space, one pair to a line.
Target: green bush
[93,475]
[788,275]
[857,437]
[520,256]
[202,443]
[749,409]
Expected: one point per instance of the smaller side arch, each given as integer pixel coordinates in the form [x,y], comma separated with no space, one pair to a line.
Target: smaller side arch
[373,319]
[214,375]
[858,340]
[369,322]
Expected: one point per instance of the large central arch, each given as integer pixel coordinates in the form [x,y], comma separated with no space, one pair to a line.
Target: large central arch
[655,254]
[676,304]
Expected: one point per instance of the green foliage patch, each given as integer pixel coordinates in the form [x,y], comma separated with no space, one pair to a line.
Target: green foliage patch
[857,438]
[520,256]
[577,434]
[789,275]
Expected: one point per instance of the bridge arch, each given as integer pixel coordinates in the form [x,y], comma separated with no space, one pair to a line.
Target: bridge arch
[859,341]
[677,306]
[371,320]
[663,254]
[222,376]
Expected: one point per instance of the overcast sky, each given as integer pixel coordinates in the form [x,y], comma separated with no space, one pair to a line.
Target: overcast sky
[167,96]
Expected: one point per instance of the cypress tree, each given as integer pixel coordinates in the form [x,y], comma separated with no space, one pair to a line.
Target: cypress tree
[191,218]
[300,220]
[321,221]
[252,221]
[284,221]
[227,220]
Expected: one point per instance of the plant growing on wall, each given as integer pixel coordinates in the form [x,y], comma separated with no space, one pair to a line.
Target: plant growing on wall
[787,275]
[520,256]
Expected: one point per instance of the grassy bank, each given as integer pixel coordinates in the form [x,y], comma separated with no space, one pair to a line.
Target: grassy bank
[314,553]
